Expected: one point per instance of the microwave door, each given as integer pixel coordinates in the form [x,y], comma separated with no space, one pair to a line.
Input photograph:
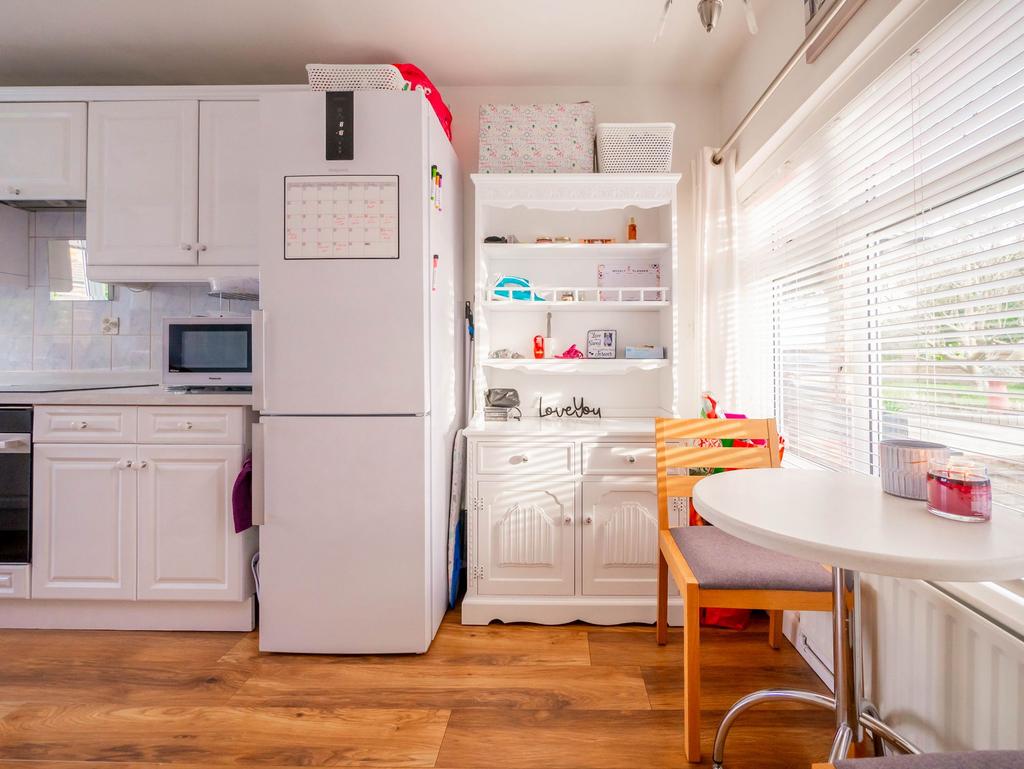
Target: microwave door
[207,352]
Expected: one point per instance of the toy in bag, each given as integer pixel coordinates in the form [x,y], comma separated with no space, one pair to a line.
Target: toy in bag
[733,619]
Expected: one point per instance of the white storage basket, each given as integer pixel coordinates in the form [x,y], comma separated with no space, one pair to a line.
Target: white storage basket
[355,77]
[634,148]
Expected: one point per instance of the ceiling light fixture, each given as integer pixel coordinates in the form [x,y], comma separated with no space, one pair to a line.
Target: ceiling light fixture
[709,11]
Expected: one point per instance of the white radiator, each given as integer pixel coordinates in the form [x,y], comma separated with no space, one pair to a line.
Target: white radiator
[941,673]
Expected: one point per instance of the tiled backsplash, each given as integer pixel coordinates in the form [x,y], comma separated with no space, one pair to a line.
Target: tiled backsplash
[37,334]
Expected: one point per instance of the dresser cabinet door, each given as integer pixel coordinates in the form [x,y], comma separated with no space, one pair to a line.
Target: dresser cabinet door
[525,537]
[83,538]
[620,537]
[188,549]
[42,151]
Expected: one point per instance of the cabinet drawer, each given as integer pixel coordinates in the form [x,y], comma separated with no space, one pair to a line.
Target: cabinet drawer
[524,458]
[85,424]
[175,424]
[14,580]
[619,458]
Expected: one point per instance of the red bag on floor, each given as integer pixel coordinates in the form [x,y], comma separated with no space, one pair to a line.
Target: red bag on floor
[419,81]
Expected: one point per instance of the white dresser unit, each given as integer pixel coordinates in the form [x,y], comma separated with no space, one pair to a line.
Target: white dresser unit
[563,511]
[132,524]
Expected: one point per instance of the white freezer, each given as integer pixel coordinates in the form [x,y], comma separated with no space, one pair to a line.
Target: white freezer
[343,566]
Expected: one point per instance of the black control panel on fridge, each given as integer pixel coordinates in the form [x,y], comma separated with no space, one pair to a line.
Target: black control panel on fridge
[340,115]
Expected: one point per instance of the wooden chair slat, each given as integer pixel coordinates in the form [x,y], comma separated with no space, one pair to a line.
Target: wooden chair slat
[715,456]
[679,429]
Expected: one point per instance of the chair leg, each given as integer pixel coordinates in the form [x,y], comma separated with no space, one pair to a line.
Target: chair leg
[662,599]
[775,628]
[691,673]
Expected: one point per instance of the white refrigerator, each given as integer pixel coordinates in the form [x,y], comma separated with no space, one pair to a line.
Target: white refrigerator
[357,371]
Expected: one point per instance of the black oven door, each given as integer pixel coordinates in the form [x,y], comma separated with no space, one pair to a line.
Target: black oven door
[15,485]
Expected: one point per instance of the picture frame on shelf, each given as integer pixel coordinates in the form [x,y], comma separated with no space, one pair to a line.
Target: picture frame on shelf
[601,343]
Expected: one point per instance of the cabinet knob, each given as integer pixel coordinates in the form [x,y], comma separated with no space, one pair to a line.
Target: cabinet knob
[631,459]
[587,520]
[124,464]
[567,520]
[201,247]
[184,425]
[14,190]
[143,464]
[186,246]
[521,458]
[79,425]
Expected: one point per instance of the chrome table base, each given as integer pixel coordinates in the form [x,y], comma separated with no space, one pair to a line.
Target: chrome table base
[854,715]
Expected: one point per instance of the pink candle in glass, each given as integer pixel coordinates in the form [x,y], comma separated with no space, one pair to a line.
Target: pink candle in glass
[959,490]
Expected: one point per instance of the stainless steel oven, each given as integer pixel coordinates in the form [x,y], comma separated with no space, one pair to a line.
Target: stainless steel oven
[15,485]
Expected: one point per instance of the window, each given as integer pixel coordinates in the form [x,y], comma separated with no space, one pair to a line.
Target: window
[886,260]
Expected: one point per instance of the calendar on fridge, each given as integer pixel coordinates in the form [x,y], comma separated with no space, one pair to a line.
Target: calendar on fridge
[341,217]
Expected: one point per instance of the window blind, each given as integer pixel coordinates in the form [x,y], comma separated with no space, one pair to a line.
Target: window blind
[884,261]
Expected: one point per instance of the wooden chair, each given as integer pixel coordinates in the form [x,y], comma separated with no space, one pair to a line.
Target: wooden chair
[982,759]
[712,568]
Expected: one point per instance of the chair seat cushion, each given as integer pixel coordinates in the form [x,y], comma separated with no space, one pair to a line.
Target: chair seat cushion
[982,759]
[720,561]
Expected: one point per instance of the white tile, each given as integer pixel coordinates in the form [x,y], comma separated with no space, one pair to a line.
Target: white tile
[16,310]
[156,353]
[51,353]
[167,302]
[91,352]
[15,353]
[132,307]
[88,317]
[51,317]
[31,223]
[129,353]
[201,303]
[55,224]
[39,272]
[243,306]
[79,224]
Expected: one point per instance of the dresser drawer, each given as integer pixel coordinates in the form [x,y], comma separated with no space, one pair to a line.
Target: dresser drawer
[85,424]
[524,458]
[619,459]
[203,424]
[14,580]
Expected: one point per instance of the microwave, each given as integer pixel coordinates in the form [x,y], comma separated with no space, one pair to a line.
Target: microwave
[207,352]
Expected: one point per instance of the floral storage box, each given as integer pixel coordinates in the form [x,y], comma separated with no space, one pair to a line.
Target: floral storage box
[536,138]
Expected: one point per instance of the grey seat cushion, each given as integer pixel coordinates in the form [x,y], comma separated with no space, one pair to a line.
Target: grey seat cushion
[720,561]
[982,759]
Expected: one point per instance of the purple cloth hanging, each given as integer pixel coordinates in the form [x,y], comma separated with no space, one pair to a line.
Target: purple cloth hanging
[241,497]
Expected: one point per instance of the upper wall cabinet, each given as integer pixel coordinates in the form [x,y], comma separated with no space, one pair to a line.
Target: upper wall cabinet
[42,151]
[173,190]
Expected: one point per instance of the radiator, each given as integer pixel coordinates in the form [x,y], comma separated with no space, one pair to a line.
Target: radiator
[941,673]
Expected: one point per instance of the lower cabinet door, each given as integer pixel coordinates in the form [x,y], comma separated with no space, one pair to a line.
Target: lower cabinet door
[83,537]
[620,537]
[188,549]
[525,537]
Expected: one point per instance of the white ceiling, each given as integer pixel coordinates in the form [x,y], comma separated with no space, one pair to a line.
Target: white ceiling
[457,42]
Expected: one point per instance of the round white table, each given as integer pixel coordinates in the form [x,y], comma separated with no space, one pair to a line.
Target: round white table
[846,521]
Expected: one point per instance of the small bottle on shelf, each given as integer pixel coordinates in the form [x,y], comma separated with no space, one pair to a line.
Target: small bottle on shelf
[631,230]
[538,346]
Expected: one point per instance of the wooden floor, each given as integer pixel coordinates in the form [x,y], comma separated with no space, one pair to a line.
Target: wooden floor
[502,696]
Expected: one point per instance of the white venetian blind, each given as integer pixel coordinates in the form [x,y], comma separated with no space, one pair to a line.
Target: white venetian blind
[886,260]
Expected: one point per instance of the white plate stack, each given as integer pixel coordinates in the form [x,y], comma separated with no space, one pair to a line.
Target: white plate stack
[903,465]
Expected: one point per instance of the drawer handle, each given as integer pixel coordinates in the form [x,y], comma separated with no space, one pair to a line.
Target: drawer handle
[79,425]
[567,520]
[520,459]
[184,425]
[124,464]
[143,464]
[631,459]
[587,520]
[186,246]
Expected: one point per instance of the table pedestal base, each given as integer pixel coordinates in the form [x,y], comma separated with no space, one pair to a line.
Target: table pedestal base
[854,715]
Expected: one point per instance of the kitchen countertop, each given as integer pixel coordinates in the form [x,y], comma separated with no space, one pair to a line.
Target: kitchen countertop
[150,395]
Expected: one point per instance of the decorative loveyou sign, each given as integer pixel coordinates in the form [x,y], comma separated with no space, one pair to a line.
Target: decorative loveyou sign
[577,409]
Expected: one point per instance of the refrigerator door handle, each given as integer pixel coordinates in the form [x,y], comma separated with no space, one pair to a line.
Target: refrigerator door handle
[258,358]
[259,509]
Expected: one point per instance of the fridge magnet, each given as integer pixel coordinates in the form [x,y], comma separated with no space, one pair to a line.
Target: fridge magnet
[601,343]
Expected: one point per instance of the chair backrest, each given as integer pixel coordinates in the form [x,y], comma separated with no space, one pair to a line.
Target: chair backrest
[677,444]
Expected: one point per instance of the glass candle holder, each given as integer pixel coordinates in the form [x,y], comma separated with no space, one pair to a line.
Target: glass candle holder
[959,490]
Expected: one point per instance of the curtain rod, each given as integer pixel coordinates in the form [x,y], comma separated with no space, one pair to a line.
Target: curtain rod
[774,85]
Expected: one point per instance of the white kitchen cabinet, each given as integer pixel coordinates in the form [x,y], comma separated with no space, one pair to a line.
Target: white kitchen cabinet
[228,184]
[526,537]
[84,515]
[42,150]
[620,537]
[143,170]
[187,542]
[172,189]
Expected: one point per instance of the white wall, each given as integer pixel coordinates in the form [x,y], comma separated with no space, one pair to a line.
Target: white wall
[695,113]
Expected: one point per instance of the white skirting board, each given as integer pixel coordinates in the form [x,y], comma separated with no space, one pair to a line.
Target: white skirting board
[128,615]
[477,610]
[941,673]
